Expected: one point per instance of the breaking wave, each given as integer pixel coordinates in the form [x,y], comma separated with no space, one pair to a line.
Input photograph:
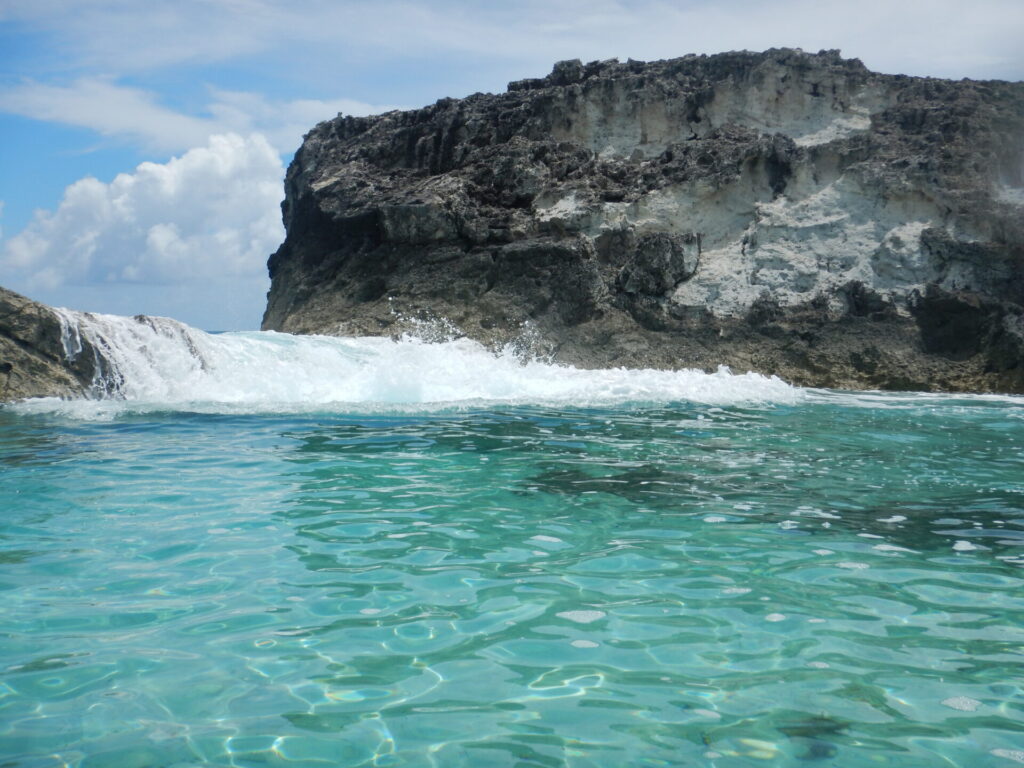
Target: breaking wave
[150,363]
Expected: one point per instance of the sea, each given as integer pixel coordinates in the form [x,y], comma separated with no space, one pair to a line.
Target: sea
[270,551]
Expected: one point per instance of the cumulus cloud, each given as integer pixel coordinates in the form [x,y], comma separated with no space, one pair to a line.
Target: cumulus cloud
[207,218]
[187,238]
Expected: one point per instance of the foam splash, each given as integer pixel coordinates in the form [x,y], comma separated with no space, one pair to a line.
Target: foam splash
[160,364]
[876,399]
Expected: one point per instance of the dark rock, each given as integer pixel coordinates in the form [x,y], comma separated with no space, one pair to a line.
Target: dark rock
[783,212]
[659,262]
[38,355]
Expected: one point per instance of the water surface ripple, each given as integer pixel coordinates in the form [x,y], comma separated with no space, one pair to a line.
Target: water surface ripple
[833,582]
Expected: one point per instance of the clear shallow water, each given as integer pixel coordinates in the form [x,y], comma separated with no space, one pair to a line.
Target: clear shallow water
[785,578]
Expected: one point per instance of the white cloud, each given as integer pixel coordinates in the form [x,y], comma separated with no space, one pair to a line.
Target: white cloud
[923,37]
[282,123]
[111,109]
[208,218]
[311,40]
[121,35]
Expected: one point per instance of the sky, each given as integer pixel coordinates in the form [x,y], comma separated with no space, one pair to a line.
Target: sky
[143,144]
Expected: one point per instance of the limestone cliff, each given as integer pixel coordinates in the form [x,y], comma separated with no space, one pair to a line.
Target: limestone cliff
[783,212]
[40,355]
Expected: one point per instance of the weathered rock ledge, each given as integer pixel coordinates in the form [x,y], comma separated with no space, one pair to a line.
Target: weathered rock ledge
[782,212]
[34,346]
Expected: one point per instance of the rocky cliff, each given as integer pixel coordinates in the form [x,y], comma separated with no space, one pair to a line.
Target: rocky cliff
[40,354]
[782,212]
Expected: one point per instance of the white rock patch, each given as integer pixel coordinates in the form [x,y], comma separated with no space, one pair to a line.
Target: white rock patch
[961,703]
[581,617]
[1009,754]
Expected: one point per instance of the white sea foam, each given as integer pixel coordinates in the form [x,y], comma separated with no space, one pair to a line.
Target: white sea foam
[161,364]
[904,400]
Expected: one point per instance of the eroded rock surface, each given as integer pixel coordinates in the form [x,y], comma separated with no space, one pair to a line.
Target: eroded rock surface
[40,356]
[783,212]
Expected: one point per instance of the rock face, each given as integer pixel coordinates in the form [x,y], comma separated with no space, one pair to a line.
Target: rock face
[40,356]
[783,212]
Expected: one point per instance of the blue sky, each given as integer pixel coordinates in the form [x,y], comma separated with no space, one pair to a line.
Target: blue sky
[143,144]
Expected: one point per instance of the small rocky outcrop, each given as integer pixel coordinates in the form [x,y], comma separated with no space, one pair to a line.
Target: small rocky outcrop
[782,212]
[40,355]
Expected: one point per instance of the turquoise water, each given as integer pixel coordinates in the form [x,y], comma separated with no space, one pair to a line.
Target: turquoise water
[822,579]
[830,584]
